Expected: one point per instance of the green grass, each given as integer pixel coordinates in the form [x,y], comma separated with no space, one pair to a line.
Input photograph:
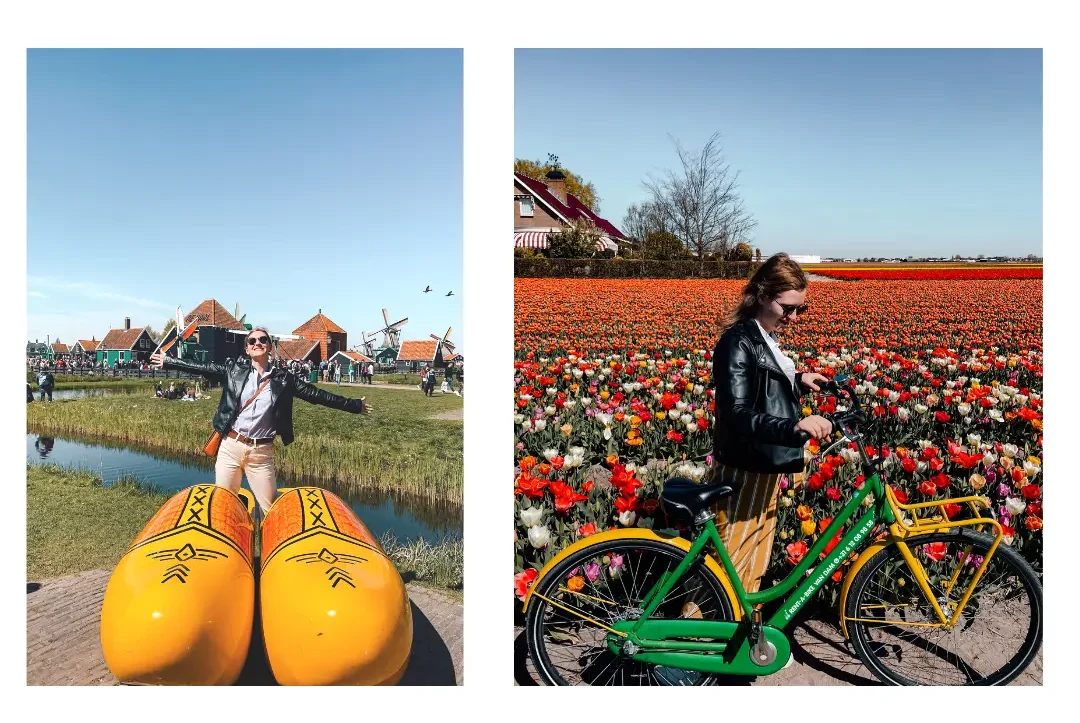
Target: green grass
[396,448]
[73,523]
[441,564]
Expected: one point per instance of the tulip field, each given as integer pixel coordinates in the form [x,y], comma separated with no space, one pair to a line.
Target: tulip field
[613,395]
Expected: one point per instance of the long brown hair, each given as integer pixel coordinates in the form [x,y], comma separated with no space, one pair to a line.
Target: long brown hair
[777,275]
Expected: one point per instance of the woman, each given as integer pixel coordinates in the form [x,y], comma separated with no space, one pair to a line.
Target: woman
[256,406]
[755,438]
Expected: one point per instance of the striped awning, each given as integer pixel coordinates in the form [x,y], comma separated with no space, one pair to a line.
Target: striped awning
[538,240]
[531,239]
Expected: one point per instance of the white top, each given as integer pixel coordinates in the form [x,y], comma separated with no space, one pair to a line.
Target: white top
[782,359]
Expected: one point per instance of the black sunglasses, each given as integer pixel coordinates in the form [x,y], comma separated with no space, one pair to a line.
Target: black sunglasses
[252,340]
[790,309]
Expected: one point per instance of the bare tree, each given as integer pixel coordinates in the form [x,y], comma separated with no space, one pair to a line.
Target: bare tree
[700,202]
[640,221]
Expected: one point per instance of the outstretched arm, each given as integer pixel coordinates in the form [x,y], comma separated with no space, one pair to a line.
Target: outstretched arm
[210,371]
[312,394]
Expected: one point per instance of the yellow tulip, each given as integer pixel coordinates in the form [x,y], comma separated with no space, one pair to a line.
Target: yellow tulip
[808,527]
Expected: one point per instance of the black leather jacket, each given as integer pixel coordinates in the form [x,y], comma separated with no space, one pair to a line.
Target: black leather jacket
[283,387]
[756,407]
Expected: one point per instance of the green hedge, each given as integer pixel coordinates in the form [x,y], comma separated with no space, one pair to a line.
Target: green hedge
[620,268]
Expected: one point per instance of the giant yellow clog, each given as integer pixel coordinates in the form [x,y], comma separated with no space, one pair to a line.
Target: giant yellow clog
[334,608]
[179,607]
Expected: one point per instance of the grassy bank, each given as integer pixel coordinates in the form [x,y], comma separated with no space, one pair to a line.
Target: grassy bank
[73,524]
[395,448]
[440,564]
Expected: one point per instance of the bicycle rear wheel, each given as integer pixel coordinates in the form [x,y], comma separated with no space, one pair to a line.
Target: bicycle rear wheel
[611,579]
[898,636]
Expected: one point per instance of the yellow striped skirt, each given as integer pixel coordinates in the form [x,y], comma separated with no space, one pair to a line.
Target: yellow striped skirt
[747,520]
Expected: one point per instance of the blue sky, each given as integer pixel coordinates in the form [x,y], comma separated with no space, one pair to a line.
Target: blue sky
[283,180]
[841,152]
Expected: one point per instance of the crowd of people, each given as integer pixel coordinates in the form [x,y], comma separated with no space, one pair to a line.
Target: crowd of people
[80,363]
[180,391]
[428,379]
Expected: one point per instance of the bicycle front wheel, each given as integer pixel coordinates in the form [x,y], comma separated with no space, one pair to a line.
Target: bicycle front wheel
[606,583]
[899,637]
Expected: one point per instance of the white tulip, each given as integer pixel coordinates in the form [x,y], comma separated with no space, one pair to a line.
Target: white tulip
[692,427]
[1009,450]
[626,519]
[1031,469]
[519,418]
[921,408]
[539,537]
[1015,505]
[963,409]
[539,425]
[531,516]
[903,413]
[550,411]
[586,401]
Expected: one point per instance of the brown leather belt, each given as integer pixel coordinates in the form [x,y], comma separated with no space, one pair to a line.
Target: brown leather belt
[248,440]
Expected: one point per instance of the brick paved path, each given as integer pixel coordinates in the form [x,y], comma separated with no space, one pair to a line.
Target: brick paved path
[63,618]
[822,657]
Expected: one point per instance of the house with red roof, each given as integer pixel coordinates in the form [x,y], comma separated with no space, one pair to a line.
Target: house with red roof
[300,350]
[545,207]
[124,345]
[331,337]
[414,355]
[351,359]
[85,346]
[213,339]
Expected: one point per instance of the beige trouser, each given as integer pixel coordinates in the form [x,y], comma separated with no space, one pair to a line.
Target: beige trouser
[747,522]
[236,458]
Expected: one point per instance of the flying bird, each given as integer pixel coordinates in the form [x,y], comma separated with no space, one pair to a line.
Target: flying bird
[427,289]
[449,293]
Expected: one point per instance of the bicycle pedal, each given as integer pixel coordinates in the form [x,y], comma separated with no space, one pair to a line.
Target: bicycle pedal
[676,676]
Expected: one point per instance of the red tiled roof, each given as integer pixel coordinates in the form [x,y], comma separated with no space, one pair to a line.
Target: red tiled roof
[59,348]
[572,209]
[417,350]
[120,339]
[319,322]
[90,345]
[211,313]
[298,349]
[356,357]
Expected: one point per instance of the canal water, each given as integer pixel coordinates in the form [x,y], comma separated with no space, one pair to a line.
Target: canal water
[92,392]
[406,518]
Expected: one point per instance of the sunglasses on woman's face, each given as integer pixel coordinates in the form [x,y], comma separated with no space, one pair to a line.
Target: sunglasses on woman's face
[790,309]
[253,340]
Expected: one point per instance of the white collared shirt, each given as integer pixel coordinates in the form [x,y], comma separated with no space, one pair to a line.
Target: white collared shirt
[782,359]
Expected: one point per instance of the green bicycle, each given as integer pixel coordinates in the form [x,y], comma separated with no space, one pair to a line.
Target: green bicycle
[928,600]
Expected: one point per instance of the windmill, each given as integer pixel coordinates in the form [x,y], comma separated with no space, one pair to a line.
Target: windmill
[236,314]
[391,332]
[444,342]
[366,345]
